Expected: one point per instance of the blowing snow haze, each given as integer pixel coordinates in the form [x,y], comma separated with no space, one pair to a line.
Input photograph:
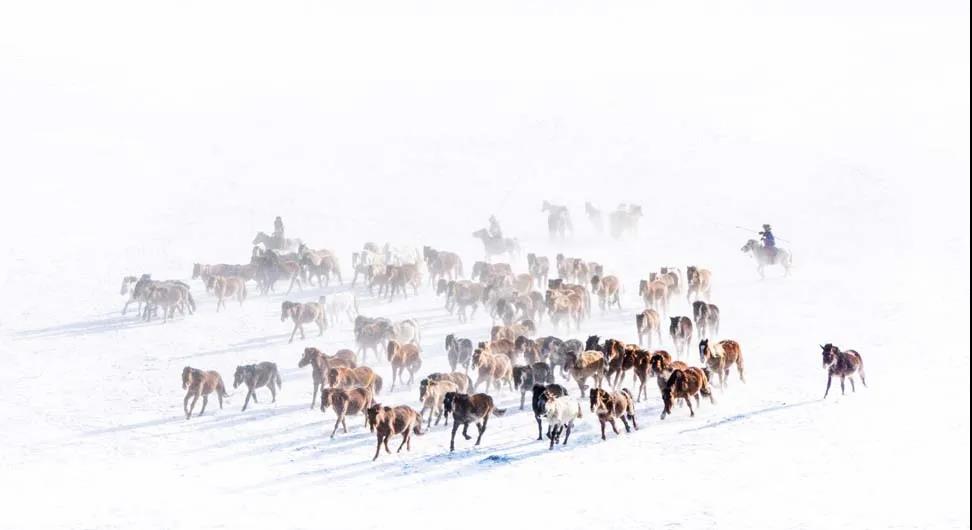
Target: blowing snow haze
[140,139]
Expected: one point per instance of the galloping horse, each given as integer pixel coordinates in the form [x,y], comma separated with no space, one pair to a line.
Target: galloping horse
[766,256]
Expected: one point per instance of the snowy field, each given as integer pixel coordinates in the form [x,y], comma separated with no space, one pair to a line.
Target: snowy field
[144,148]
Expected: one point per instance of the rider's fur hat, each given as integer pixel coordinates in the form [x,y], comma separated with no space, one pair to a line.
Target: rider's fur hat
[766,227]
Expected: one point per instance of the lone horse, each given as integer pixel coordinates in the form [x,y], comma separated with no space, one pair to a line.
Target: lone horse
[768,256]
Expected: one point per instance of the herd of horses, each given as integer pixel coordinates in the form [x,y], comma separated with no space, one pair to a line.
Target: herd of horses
[512,358]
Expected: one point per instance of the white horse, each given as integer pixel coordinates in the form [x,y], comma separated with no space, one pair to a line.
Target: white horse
[336,304]
[765,256]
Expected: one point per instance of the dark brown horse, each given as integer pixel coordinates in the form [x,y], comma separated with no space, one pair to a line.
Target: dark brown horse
[255,376]
[611,405]
[681,332]
[685,384]
[466,409]
[843,364]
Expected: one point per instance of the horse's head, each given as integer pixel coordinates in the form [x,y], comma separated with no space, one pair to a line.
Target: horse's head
[482,233]
[749,246]
[239,376]
[703,349]
[308,357]
[186,375]
[259,238]
[829,355]
[327,398]
[127,283]
[287,309]
[599,400]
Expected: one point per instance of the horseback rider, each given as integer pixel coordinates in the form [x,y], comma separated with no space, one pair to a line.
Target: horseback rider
[494,228]
[278,231]
[769,241]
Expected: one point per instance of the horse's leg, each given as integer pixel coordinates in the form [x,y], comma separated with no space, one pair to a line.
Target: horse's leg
[465,431]
[292,333]
[185,403]
[482,429]
[246,402]
[314,397]
[378,448]
[842,392]
[691,410]
[452,440]
[205,402]
[830,378]
[192,405]
[273,392]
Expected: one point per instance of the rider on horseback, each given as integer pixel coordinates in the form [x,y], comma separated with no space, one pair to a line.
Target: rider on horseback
[278,231]
[769,241]
[494,228]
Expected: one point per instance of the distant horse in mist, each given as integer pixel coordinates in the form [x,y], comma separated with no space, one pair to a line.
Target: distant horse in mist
[768,256]
[496,246]
[558,220]
[271,243]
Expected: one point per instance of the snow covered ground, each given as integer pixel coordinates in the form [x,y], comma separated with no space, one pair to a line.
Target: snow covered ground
[131,149]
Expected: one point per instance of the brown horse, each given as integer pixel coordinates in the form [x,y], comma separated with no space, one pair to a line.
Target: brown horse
[199,383]
[590,363]
[403,357]
[719,357]
[681,332]
[466,409]
[699,283]
[345,403]
[608,291]
[351,377]
[655,295]
[642,371]
[611,405]
[493,369]
[388,421]
[302,314]
[321,362]
[685,384]
[227,287]
[648,322]
[255,376]
[843,364]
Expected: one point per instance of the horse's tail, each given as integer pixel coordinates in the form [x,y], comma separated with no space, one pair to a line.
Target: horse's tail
[192,302]
[276,377]
[221,388]
[354,301]
[243,291]
[459,266]
[377,384]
